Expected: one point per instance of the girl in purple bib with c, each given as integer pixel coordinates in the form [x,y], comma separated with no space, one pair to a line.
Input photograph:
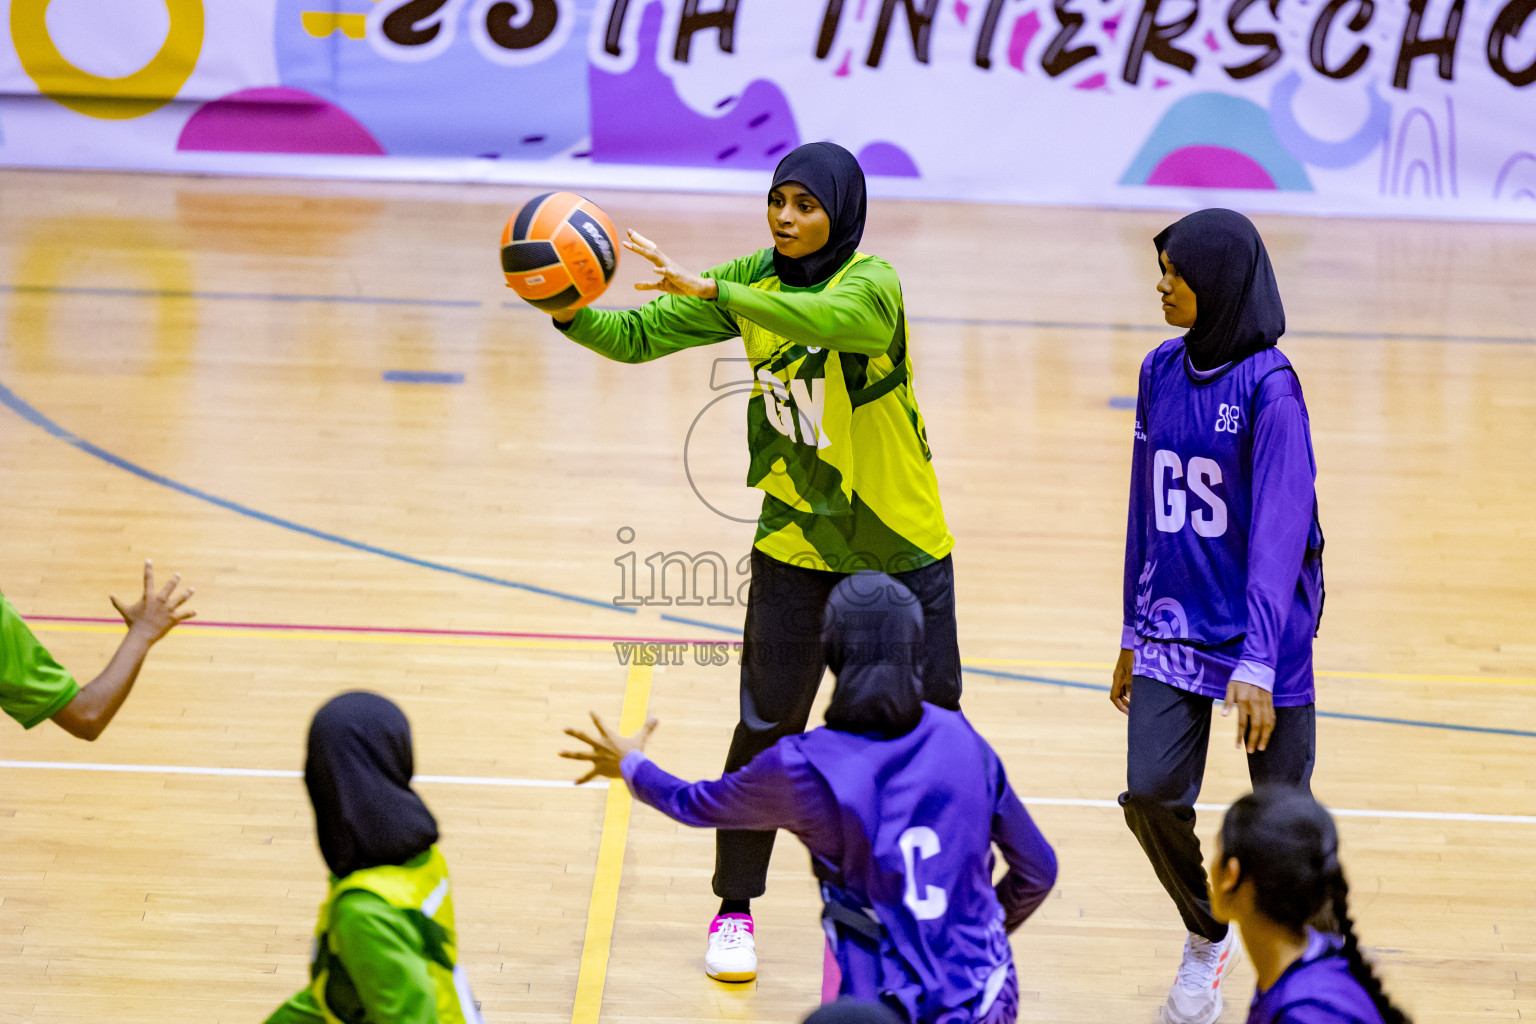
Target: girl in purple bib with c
[900,804]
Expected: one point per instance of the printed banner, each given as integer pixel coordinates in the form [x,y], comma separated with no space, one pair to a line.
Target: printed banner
[1416,107]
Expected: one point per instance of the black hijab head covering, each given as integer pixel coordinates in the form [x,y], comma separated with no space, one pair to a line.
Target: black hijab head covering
[853,1011]
[1237,308]
[872,635]
[358,774]
[831,174]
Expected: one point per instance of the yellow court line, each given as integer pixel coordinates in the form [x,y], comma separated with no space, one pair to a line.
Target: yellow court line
[608,645]
[610,865]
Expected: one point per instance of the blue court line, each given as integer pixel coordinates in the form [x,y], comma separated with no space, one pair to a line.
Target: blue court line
[19,406]
[702,624]
[1146,328]
[422,377]
[1378,719]
[176,293]
[1072,325]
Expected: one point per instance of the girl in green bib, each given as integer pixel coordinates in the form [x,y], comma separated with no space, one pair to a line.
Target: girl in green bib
[385,945]
[837,446]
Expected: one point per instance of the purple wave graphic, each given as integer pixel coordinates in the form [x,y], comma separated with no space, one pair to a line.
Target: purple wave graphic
[638,117]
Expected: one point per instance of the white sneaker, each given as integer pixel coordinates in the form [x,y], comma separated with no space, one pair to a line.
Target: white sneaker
[732,952]
[1196,994]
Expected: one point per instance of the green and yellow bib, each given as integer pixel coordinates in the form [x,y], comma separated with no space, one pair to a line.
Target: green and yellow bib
[840,451]
[420,889]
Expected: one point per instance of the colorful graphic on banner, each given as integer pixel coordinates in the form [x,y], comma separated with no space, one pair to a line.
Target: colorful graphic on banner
[1425,107]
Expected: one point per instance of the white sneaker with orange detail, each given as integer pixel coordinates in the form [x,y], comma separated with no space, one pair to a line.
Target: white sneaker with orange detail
[1196,994]
[732,952]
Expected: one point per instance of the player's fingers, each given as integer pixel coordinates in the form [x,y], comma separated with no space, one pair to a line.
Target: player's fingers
[183,598]
[578,755]
[577,734]
[1266,729]
[177,619]
[650,727]
[165,591]
[648,286]
[149,577]
[1242,727]
[602,730]
[587,777]
[645,247]
[118,605]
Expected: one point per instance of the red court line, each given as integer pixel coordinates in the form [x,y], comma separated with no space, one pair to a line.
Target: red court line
[407,630]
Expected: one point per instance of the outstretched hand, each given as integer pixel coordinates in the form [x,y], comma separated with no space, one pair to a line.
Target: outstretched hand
[671,278]
[608,748]
[157,612]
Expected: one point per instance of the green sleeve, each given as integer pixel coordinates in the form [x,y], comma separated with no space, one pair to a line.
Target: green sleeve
[382,953]
[301,1009]
[665,325]
[33,687]
[859,315]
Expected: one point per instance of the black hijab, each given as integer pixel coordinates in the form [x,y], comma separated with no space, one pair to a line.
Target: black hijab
[1237,302]
[831,174]
[853,1011]
[872,635]
[358,774]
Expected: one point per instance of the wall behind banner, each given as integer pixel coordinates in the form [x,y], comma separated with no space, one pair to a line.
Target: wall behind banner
[1419,107]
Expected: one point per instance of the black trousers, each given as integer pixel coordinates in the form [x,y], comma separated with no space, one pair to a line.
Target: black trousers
[1170,731]
[781,669]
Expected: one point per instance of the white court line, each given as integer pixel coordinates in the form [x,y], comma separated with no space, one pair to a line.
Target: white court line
[480,780]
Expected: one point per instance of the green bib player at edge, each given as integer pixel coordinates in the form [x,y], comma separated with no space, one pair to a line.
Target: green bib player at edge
[385,948]
[838,447]
[35,688]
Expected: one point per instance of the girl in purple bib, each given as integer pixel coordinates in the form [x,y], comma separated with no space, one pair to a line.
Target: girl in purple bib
[1274,871]
[900,804]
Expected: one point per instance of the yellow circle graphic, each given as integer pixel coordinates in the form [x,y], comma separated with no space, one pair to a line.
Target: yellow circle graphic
[147,89]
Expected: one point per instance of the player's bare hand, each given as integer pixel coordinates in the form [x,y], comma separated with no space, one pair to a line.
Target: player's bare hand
[158,611]
[608,748]
[1120,684]
[1255,715]
[671,277]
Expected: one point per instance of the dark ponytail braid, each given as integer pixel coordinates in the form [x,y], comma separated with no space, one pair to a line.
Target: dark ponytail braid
[1284,841]
[1358,965]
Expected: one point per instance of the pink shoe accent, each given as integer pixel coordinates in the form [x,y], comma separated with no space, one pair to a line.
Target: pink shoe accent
[831,975]
[720,919]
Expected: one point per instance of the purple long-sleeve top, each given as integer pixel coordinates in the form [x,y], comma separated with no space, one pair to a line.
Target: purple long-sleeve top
[1223,554]
[907,825]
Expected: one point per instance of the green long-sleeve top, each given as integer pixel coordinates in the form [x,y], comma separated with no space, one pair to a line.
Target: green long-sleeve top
[385,951]
[837,443]
[380,949]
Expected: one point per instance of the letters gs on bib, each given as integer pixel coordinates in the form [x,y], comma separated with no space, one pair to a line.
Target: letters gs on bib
[1170,501]
[511,32]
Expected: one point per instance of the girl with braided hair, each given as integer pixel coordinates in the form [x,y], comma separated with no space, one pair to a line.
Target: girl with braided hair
[1276,871]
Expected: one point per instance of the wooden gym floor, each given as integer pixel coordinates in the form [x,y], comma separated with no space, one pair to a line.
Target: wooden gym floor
[194,370]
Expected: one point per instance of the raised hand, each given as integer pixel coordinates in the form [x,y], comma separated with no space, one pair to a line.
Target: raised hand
[157,612]
[608,748]
[671,278]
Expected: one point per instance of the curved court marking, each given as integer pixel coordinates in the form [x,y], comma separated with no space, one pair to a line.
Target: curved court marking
[1377,719]
[475,780]
[26,411]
